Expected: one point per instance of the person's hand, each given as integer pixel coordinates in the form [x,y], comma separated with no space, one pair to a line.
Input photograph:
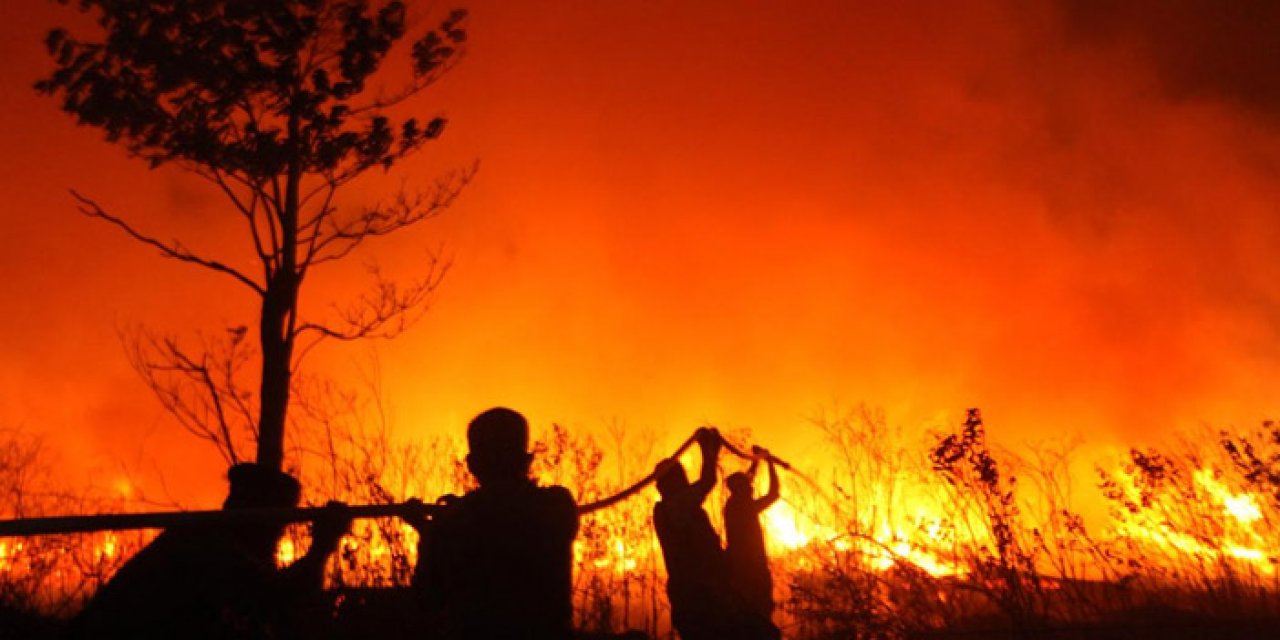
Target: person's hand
[709,439]
[417,514]
[329,528]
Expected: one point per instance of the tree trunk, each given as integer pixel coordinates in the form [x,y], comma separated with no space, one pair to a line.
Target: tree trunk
[279,311]
[277,352]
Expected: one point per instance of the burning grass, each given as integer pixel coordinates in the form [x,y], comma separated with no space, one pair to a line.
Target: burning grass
[891,536]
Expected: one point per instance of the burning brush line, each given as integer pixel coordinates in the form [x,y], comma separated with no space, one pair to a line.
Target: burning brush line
[919,536]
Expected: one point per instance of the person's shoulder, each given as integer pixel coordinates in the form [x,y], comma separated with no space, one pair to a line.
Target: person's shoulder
[176,547]
[555,491]
[555,512]
[661,510]
[557,497]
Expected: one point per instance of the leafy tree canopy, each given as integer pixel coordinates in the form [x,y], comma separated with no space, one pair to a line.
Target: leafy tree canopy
[219,83]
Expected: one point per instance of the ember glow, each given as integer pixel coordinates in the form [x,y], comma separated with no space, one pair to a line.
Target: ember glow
[1176,521]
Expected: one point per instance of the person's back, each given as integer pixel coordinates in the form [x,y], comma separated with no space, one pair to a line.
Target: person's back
[498,562]
[744,540]
[744,550]
[185,584]
[690,547]
[702,603]
[215,582]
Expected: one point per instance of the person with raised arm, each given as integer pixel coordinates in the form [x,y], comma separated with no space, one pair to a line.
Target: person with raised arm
[745,548]
[697,574]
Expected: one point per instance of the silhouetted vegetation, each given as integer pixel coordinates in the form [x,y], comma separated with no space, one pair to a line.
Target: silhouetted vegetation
[894,536]
[46,578]
[270,103]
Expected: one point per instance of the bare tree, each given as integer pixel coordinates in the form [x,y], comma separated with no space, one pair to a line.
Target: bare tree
[267,100]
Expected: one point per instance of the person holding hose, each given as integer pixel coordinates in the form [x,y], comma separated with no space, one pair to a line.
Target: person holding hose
[745,550]
[704,604]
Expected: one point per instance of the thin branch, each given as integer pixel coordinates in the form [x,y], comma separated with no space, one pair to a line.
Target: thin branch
[248,211]
[313,225]
[216,177]
[277,202]
[410,89]
[258,247]
[343,238]
[186,387]
[175,251]
[385,311]
[240,400]
[326,183]
[200,372]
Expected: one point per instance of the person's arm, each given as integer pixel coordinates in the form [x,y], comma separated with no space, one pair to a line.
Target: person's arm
[307,573]
[709,442]
[426,573]
[563,513]
[771,496]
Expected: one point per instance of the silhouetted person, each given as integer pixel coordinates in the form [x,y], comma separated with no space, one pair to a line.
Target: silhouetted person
[697,573]
[497,563]
[216,582]
[744,538]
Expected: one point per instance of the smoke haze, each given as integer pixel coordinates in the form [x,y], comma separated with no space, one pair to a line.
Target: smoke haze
[742,213]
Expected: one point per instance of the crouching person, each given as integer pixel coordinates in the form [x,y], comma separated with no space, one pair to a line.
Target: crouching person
[217,582]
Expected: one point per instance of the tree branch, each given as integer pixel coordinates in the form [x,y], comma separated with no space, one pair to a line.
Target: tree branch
[175,251]
[312,227]
[199,372]
[194,389]
[342,238]
[411,89]
[257,197]
[385,311]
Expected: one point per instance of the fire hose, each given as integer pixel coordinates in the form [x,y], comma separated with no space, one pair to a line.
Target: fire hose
[653,475]
[166,519]
[287,515]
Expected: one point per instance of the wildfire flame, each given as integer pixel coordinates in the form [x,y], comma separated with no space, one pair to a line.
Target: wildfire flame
[1205,521]
[787,530]
[1228,525]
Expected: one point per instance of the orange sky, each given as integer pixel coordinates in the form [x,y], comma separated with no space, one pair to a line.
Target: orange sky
[736,212]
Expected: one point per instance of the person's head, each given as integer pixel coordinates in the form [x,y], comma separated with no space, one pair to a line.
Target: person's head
[498,440]
[253,486]
[739,484]
[671,478]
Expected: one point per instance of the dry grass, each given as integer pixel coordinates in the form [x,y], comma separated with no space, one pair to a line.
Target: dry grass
[896,536]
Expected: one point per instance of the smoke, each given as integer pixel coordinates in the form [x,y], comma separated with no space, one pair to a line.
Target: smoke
[1061,212]
[1198,49]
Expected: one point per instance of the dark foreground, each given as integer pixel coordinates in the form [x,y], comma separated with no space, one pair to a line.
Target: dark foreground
[387,614]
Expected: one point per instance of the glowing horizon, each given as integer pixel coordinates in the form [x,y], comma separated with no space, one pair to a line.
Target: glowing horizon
[690,215]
